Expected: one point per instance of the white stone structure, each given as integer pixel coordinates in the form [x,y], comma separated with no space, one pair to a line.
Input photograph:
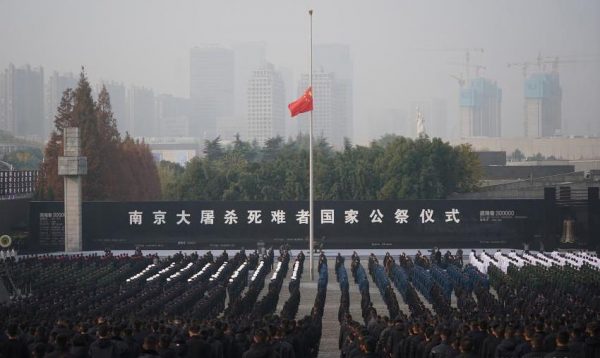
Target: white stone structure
[72,166]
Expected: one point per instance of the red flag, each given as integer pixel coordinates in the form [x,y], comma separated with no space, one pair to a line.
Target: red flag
[302,104]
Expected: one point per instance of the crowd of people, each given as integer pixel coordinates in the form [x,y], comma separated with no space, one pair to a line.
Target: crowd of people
[532,310]
[141,306]
[501,305]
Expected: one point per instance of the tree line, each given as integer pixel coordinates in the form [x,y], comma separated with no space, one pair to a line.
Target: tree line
[118,168]
[123,169]
[390,168]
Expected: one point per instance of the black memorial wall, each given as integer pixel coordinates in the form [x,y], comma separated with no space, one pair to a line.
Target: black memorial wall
[338,224]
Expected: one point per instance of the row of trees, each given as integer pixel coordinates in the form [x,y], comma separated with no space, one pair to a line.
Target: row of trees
[118,169]
[390,168]
[518,156]
[123,169]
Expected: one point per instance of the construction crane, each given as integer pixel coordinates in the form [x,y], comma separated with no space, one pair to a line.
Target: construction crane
[542,61]
[466,51]
[461,81]
[477,68]
[523,65]
[556,60]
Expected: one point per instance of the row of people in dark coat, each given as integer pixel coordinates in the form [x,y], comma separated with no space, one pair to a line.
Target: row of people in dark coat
[507,330]
[271,337]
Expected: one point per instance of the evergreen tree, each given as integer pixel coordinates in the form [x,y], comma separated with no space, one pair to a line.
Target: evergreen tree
[213,149]
[169,174]
[107,146]
[50,185]
[117,169]
[84,117]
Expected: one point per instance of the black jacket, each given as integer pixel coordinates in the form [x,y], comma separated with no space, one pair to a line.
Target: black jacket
[442,350]
[560,352]
[592,347]
[259,350]
[535,354]
[14,348]
[505,348]
[104,348]
[488,349]
[283,349]
[198,348]
[148,354]
[59,354]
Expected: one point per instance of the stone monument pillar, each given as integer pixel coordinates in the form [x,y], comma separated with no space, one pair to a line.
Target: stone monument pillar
[72,166]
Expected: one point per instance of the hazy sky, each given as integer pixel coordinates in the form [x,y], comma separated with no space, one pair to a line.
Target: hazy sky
[147,42]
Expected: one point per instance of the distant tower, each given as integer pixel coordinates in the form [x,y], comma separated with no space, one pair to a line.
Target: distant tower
[331,113]
[420,124]
[248,57]
[118,102]
[57,84]
[337,59]
[141,109]
[266,105]
[22,101]
[543,96]
[480,109]
[211,89]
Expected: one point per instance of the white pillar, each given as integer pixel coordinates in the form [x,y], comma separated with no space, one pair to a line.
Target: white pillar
[72,166]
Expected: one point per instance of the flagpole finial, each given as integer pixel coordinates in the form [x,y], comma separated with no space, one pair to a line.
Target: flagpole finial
[310,12]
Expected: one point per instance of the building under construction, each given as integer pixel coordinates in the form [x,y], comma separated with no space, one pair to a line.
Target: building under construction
[543,96]
[480,109]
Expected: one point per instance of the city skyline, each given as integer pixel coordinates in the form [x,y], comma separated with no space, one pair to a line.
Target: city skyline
[401,52]
[434,109]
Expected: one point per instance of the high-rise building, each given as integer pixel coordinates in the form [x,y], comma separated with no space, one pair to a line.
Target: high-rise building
[4,124]
[173,116]
[480,109]
[266,105]
[290,88]
[543,97]
[118,102]
[22,102]
[141,112]
[248,57]
[327,123]
[335,58]
[434,112]
[211,89]
[57,84]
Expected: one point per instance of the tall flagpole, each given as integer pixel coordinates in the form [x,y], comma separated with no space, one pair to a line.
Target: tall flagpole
[311,230]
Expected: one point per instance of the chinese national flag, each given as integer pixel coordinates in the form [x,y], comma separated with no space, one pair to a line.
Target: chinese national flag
[302,104]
